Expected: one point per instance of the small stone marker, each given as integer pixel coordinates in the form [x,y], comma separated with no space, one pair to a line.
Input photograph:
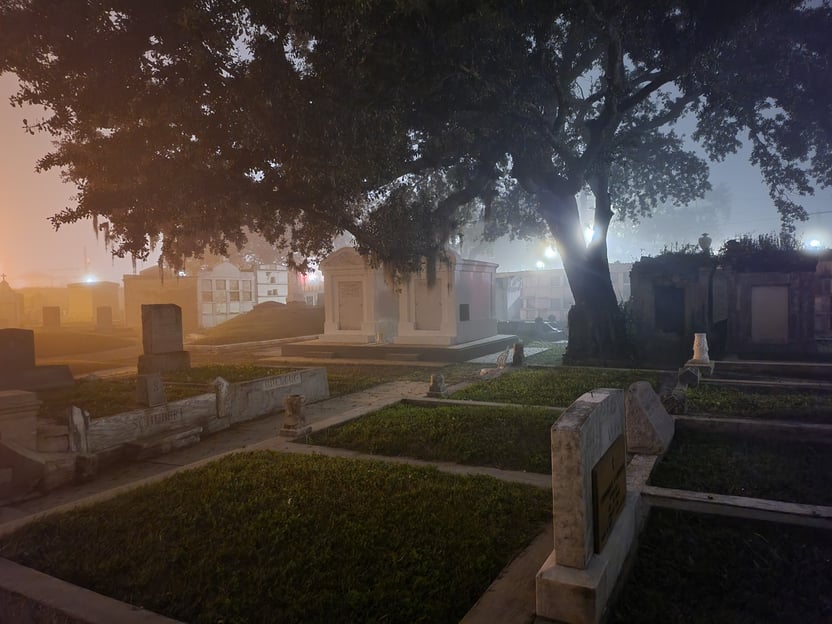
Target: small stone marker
[701,360]
[503,358]
[437,388]
[595,519]
[294,419]
[650,428]
[150,391]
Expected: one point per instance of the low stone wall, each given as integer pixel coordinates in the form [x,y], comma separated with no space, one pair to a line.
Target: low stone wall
[27,595]
[231,403]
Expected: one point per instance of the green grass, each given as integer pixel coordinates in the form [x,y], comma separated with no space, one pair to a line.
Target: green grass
[747,465]
[557,387]
[270,537]
[105,397]
[267,322]
[553,356]
[507,438]
[696,569]
[776,403]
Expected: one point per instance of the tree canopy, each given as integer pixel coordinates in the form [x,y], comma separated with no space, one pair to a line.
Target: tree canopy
[187,121]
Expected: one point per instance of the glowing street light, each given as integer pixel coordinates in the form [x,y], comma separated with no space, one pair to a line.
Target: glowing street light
[539,264]
[549,252]
[814,244]
[588,234]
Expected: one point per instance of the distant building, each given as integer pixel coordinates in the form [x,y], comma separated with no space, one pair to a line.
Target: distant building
[149,287]
[527,295]
[86,297]
[11,306]
[224,292]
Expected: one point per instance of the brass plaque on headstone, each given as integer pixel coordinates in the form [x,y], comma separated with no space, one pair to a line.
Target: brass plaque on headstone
[609,490]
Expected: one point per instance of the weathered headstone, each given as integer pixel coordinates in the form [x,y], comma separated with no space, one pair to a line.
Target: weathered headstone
[650,428]
[17,350]
[51,317]
[162,339]
[17,364]
[149,390]
[595,519]
[104,319]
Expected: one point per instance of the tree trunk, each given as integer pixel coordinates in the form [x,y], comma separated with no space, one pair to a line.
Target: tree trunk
[596,324]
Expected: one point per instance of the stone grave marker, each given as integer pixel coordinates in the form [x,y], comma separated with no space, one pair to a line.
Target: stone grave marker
[104,319]
[52,317]
[17,364]
[595,519]
[162,339]
[17,350]
[150,391]
[650,428]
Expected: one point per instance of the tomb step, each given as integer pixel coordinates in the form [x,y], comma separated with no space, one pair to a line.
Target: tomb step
[162,443]
[402,357]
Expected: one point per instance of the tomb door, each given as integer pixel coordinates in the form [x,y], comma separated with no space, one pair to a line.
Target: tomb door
[350,305]
[428,314]
[770,314]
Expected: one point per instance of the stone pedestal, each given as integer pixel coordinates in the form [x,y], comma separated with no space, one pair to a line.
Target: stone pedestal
[437,389]
[701,360]
[294,419]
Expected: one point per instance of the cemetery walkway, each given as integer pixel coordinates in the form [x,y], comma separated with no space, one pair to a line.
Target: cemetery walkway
[509,600]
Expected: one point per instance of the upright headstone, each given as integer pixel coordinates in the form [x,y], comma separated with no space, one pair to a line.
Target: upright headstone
[595,519]
[162,339]
[17,350]
[104,319]
[51,317]
[17,364]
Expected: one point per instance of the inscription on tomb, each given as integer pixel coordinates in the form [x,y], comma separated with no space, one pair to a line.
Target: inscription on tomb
[609,491]
[280,381]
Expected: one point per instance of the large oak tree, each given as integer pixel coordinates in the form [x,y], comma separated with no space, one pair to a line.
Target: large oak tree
[188,121]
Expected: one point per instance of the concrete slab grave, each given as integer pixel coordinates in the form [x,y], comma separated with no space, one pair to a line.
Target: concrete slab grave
[594,517]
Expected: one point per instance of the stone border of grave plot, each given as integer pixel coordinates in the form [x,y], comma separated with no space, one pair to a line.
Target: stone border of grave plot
[143,433]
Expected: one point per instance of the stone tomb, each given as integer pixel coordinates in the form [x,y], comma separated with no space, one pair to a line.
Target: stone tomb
[162,339]
[17,364]
[359,306]
[457,308]
[595,518]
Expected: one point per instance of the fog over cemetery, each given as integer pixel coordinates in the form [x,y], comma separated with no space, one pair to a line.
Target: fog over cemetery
[465,311]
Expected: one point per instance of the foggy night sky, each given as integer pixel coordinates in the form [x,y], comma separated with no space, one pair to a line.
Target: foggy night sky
[29,245]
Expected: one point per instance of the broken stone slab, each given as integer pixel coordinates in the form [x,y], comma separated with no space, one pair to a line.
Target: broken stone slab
[650,428]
